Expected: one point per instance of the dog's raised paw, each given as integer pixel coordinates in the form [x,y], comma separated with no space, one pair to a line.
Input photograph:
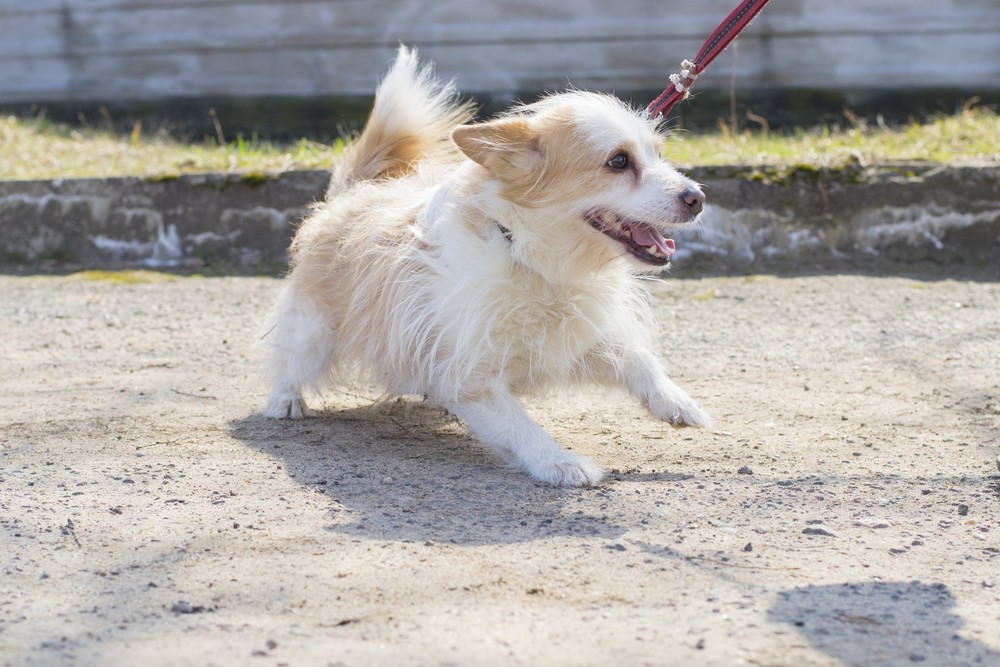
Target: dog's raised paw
[572,470]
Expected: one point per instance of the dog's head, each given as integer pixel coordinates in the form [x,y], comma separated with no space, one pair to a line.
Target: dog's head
[588,171]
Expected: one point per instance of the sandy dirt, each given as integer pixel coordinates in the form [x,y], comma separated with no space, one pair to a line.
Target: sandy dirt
[846,511]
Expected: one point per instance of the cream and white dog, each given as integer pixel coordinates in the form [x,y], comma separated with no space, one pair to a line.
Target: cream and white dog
[473,263]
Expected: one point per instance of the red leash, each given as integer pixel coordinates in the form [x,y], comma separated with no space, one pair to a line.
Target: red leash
[716,43]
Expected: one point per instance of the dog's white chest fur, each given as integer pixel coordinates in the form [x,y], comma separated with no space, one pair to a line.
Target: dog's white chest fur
[539,334]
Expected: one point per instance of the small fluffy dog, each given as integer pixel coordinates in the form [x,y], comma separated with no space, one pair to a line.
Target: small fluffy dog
[472,263]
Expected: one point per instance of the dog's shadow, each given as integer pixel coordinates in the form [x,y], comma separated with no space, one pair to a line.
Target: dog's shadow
[405,470]
[882,623]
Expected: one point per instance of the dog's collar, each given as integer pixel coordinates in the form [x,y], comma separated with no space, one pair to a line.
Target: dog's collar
[506,233]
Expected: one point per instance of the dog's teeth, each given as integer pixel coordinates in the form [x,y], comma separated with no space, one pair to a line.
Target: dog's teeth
[654,251]
[610,218]
[627,233]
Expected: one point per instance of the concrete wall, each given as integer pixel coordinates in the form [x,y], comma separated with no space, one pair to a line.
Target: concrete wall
[79,50]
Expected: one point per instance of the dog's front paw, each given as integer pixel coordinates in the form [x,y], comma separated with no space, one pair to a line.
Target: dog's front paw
[692,415]
[566,470]
[680,410]
[286,407]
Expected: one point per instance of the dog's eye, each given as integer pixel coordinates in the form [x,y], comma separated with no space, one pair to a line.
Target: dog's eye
[619,162]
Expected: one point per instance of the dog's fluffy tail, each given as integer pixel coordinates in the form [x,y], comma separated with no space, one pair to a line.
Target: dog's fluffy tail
[412,119]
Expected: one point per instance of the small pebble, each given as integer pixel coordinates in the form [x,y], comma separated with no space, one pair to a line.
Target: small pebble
[745,470]
[749,547]
[185,607]
[818,529]
[963,509]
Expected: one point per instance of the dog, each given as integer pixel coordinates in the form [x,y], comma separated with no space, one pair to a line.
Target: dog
[476,262]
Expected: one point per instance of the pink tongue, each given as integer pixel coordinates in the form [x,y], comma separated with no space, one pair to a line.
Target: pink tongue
[646,237]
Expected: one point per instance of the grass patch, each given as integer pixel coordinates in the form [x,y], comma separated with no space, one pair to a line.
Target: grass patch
[971,136]
[39,149]
[127,277]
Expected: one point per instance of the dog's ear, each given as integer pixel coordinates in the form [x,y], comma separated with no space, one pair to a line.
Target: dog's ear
[509,147]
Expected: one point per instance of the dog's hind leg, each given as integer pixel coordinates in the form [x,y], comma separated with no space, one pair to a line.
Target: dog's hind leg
[500,422]
[301,348]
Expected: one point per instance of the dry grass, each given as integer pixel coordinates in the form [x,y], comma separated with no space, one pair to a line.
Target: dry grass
[39,149]
[971,136]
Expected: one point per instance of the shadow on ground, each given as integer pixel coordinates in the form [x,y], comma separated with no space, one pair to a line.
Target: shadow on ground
[402,470]
[882,623]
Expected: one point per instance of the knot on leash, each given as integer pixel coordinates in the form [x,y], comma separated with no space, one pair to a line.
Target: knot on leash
[684,78]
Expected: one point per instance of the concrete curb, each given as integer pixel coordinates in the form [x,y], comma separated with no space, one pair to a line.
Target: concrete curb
[903,213]
[758,217]
[191,220]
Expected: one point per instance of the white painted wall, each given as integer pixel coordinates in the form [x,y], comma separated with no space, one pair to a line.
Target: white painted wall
[59,50]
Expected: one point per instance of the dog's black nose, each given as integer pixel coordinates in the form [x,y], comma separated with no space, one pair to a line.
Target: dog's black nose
[694,199]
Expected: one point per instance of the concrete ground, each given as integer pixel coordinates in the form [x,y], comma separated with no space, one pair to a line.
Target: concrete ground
[846,511]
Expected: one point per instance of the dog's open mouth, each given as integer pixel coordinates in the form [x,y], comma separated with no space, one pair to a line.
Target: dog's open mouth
[643,241]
